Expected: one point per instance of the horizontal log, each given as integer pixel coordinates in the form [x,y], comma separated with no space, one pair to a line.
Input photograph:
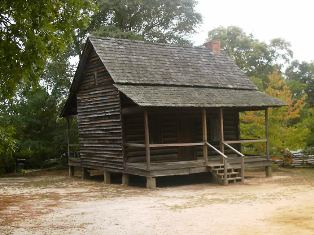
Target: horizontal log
[135,145]
[175,145]
[245,141]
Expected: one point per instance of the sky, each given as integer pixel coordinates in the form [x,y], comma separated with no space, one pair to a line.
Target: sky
[292,20]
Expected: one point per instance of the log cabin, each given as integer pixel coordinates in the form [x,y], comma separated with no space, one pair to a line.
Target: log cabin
[153,110]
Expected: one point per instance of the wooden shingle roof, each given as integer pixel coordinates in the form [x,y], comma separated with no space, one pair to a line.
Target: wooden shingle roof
[175,96]
[138,62]
[164,75]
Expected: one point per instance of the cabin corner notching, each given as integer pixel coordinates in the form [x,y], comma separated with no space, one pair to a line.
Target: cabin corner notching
[154,110]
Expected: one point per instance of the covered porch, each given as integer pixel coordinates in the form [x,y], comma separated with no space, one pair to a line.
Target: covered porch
[162,142]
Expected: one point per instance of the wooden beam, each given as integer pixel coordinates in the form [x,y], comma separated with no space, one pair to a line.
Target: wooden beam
[268,169]
[244,141]
[147,148]
[267,133]
[219,152]
[204,130]
[150,182]
[242,169]
[107,177]
[85,174]
[225,182]
[71,171]
[175,145]
[135,145]
[221,122]
[125,179]
[131,110]
[234,150]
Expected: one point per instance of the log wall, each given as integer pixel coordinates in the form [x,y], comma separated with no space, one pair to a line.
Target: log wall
[178,127]
[99,118]
[162,129]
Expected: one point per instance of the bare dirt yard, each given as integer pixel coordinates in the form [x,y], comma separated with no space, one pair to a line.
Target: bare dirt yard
[51,203]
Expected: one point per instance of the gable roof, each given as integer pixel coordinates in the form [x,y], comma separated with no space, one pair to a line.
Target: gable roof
[164,75]
[138,62]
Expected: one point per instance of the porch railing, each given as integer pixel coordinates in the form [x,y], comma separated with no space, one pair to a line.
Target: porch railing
[242,159]
[225,161]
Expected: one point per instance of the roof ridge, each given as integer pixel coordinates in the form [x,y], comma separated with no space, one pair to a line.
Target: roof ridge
[183,85]
[149,42]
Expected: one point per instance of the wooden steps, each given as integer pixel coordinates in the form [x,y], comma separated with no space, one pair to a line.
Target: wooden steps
[233,174]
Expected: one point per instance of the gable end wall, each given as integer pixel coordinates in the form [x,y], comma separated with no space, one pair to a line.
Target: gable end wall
[99,118]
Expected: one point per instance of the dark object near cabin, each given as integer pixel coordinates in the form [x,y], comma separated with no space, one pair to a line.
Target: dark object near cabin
[155,110]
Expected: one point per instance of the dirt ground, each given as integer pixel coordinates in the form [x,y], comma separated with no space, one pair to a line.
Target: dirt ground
[51,203]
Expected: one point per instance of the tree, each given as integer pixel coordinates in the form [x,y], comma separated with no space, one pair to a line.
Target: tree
[57,76]
[40,39]
[7,144]
[35,118]
[257,59]
[308,121]
[301,79]
[31,32]
[168,21]
[286,130]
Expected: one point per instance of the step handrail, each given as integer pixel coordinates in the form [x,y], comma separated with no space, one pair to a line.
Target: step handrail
[220,153]
[225,158]
[233,149]
[242,159]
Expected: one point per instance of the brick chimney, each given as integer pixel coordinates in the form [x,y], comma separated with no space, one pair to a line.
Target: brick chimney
[214,46]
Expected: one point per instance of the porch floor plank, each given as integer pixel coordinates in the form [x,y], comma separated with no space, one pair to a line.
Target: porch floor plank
[190,167]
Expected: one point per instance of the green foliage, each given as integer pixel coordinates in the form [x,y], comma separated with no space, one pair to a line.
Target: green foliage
[57,77]
[114,32]
[308,122]
[301,79]
[37,40]
[257,59]
[32,32]
[7,140]
[286,128]
[7,146]
[35,117]
[38,130]
[170,21]
[260,61]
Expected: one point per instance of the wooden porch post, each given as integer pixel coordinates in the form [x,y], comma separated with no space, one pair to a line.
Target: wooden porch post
[267,133]
[107,177]
[85,173]
[147,149]
[268,169]
[204,128]
[221,122]
[125,179]
[71,171]
[222,147]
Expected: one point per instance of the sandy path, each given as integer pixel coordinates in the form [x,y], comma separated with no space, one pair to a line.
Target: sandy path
[281,205]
